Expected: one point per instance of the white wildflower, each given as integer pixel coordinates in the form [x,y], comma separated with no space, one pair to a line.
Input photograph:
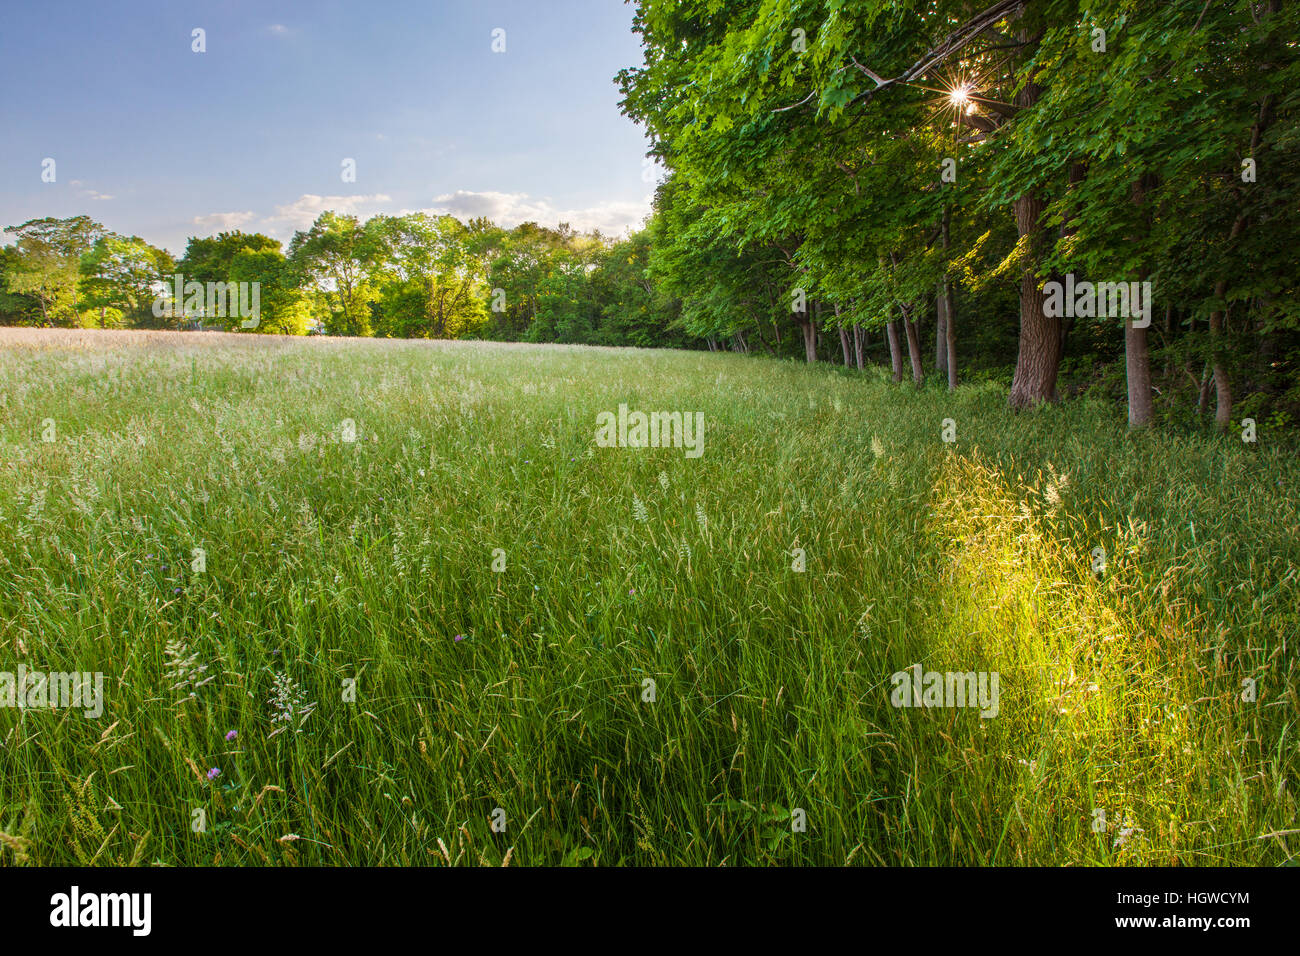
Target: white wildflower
[290,705]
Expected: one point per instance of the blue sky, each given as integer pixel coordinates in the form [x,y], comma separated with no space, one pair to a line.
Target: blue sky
[153,139]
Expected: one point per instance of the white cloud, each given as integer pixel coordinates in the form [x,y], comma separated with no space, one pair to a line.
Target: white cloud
[510,209]
[279,29]
[504,209]
[88,192]
[302,212]
[611,218]
[223,221]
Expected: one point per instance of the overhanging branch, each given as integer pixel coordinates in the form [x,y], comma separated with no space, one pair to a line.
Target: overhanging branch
[953,43]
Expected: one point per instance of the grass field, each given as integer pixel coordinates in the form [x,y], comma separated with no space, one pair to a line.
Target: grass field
[393,697]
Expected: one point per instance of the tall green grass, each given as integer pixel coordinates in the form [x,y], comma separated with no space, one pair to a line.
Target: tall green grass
[329,560]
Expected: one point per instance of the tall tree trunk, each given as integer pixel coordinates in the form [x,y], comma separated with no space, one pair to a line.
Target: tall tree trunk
[809,335]
[857,345]
[1222,384]
[1039,358]
[895,356]
[1137,363]
[941,329]
[913,345]
[952,346]
[844,336]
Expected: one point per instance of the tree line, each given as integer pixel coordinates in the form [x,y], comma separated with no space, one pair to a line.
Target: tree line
[413,276]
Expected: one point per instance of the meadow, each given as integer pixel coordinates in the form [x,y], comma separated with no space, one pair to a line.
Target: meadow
[409,612]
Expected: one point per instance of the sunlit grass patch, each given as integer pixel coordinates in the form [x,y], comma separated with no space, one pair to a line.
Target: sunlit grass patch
[1119,738]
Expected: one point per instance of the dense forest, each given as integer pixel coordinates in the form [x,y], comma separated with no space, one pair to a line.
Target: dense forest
[1058,196]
